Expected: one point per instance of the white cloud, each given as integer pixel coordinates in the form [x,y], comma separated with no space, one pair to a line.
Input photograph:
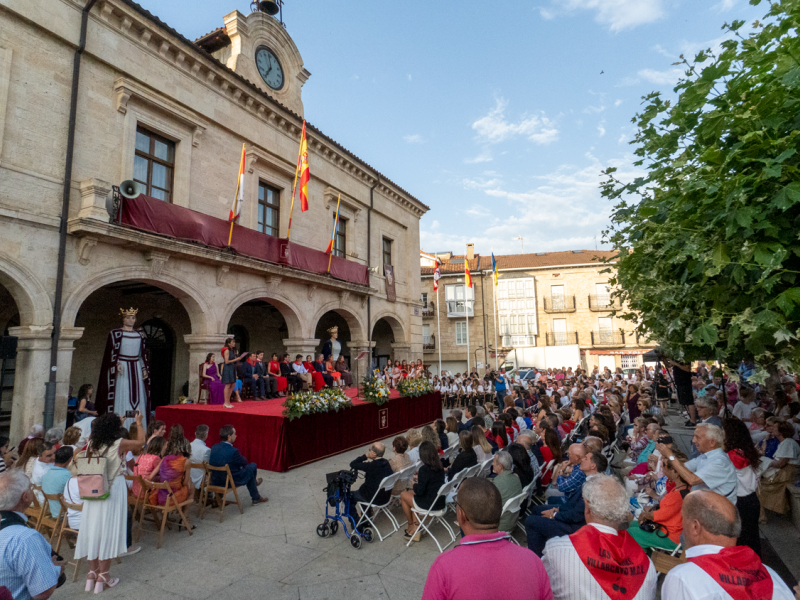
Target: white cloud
[480,183]
[623,138]
[546,13]
[617,14]
[495,128]
[409,76]
[618,102]
[484,156]
[668,77]
[724,5]
[601,128]
[414,139]
[435,224]
[594,109]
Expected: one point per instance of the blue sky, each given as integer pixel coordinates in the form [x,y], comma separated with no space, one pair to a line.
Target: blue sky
[493,113]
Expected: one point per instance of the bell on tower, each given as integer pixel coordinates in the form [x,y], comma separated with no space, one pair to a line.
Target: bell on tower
[270,7]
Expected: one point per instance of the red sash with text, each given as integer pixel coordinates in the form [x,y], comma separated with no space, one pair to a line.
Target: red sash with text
[739,571]
[616,562]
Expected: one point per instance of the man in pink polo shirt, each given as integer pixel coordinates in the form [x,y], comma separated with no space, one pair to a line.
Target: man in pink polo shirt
[519,571]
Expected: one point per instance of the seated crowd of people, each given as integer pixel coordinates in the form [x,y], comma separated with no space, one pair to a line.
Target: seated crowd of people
[46,463]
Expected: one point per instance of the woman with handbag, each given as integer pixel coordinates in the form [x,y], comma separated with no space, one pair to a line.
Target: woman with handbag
[102,535]
[662,527]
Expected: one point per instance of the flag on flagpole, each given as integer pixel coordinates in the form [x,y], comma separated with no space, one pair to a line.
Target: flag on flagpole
[468,281]
[494,268]
[236,209]
[329,249]
[436,277]
[305,174]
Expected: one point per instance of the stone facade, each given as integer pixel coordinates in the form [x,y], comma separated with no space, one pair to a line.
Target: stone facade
[137,72]
[571,289]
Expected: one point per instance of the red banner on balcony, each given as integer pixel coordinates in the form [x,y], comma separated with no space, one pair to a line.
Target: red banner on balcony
[155,216]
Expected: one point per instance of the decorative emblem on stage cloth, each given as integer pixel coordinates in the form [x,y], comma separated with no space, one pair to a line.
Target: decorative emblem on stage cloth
[383,418]
[124,375]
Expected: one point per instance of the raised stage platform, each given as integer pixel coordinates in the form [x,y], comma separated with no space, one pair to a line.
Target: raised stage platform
[274,443]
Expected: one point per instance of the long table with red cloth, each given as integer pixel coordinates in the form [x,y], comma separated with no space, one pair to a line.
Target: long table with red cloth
[162,218]
[274,443]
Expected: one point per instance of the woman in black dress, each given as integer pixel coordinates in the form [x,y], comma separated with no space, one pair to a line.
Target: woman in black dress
[229,369]
[427,482]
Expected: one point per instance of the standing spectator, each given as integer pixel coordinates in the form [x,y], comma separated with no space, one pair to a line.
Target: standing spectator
[715,563]
[597,561]
[508,484]
[26,568]
[515,572]
[682,376]
[712,470]
[200,453]
[243,473]
[549,522]
[55,480]
[500,386]
[746,459]
[102,536]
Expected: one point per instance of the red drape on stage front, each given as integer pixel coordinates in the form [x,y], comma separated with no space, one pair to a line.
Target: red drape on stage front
[274,443]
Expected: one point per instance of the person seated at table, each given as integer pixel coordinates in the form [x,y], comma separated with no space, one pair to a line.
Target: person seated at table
[175,468]
[293,381]
[341,367]
[330,370]
[319,367]
[427,482]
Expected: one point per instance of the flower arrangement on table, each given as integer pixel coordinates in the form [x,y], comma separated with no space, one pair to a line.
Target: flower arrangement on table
[307,403]
[375,390]
[414,387]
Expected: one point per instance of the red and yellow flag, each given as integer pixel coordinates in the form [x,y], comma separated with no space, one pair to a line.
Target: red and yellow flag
[467,273]
[305,174]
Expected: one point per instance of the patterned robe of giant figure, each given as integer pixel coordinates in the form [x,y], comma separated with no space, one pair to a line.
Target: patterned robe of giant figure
[124,376]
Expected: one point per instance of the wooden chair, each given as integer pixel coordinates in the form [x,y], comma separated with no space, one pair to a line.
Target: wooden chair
[66,529]
[229,486]
[48,520]
[168,508]
[135,503]
[664,562]
[35,511]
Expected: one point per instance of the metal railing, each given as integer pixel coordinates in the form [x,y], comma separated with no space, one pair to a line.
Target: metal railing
[562,338]
[602,302]
[428,310]
[608,337]
[560,304]
[458,308]
[428,343]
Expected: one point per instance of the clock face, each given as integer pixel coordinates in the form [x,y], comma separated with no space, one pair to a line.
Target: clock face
[269,67]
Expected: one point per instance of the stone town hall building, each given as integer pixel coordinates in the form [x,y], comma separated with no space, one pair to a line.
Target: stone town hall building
[173,114]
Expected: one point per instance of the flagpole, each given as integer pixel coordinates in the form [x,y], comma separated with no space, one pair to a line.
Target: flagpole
[496,349]
[294,185]
[333,237]
[438,328]
[236,199]
[466,313]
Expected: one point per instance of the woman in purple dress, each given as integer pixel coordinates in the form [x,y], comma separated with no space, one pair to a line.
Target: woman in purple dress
[211,378]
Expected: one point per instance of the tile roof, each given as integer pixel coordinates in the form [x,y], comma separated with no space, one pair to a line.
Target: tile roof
[196,47]
[524,261]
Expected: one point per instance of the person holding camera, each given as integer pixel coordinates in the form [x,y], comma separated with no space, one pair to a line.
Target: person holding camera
[28,568]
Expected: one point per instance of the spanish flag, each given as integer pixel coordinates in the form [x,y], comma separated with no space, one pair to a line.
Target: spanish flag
[468,280]
[305,174]
[494,269]
[329,249]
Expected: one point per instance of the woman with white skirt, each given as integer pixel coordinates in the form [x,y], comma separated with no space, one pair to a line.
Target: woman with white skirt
[102,536]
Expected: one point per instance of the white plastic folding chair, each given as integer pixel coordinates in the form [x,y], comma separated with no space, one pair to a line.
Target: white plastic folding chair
[457,479]
[473,471]
[512,506]
[435,516]
[486,467]
[385,486]
[547,469]
[527,491]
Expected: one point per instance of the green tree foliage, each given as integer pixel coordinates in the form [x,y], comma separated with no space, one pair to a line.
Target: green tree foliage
[709,251]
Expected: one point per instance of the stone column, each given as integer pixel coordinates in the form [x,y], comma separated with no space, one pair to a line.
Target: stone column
[199,346]
[93,199]
[401,351]
[66,346]
[295,346]
[32,371]
[360,368]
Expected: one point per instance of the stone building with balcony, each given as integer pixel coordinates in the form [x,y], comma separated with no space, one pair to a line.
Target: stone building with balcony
[542,299]
[173,114]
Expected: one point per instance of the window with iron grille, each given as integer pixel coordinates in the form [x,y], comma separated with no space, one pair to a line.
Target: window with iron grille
[154,164]
[269,209]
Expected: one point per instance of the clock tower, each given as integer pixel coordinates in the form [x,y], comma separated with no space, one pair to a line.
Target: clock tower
[258,48]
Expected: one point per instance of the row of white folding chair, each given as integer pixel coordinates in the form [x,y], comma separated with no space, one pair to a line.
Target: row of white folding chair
[436,515]
[547,468]
[513,506]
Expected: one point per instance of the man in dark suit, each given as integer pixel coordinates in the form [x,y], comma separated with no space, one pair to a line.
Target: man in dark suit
[270,383]
[293,380]
[319,367]
[250,378]
[548,522]
[243,473]
[374,472]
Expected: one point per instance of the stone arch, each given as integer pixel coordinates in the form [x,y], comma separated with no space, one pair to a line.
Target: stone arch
[398,330]
[286,307]
[33,300]
[198,309]
[352,319]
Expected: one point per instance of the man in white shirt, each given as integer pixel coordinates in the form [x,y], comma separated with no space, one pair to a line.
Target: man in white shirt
[717,567]
[744,407]
[303,373]
[200,453]
[599,562]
